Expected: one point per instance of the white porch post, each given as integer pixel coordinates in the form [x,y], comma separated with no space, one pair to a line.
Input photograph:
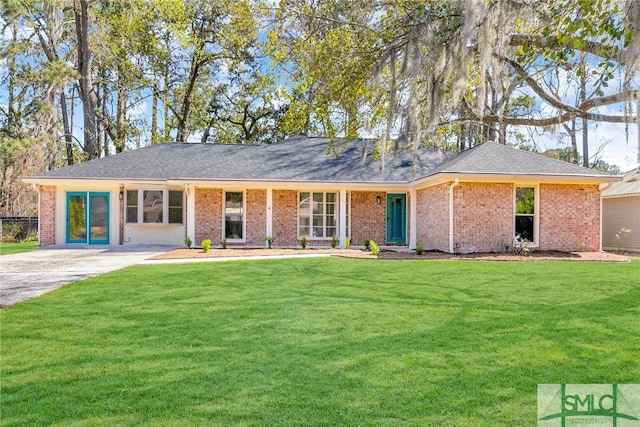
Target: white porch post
[269,223]
[191,213]
[342,231]
[412,218]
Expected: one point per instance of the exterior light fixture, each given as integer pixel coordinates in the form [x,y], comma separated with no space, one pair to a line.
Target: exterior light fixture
[378,200]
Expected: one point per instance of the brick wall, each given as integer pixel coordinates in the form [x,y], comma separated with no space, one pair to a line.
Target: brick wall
[368,219]
[432,217]
[208,215]
[285,217]
[256,217]
[47,223]
[569,217]
[483,217]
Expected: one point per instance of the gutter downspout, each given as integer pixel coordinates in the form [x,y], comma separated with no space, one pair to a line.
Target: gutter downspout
[451,187]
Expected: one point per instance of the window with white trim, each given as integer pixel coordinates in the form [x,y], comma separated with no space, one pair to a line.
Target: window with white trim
[525,217]
[318,214]
[147,206]
[234,215]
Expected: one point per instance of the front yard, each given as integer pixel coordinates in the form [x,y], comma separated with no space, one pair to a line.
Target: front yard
[319,341]
[15,248]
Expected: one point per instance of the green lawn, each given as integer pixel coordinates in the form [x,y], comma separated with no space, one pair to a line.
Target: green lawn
[318,342]
[15,248]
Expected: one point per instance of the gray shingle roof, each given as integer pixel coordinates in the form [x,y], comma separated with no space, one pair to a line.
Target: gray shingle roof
[307,159]
[295,159]
[629,186]
[494,158]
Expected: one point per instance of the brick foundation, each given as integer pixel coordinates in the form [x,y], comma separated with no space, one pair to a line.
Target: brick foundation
[208,215]
[483,217]
[569,217]
[285,218]
[432,217]
[256,217]
[368,219]
[47,223]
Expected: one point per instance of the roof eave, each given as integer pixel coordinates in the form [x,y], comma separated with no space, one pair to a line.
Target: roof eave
[444,177]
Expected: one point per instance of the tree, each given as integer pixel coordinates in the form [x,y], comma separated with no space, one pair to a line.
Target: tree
[444,63]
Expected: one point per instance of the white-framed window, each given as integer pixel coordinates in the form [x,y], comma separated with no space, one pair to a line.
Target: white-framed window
[526,208]
[234,209]
[318,214]
[154,206]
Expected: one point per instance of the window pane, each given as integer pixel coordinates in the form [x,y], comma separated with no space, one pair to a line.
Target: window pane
[132,214]
[317,232]
[233,215]
[331,221]
[132,197]
[318,221]
[331,197]
[524,227]
[317,197]
[175,207]
[304,221]
[132,206]
[303,231]
[525,200]
[331,231]
[152,206]
[331,209]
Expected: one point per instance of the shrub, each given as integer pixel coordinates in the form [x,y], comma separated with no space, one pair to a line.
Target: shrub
[367,243]
[303,242]
[223,243]
[270,240]
[373,246]
[419,248]
[334,241]
[188,242]
[206,245]
[347,242]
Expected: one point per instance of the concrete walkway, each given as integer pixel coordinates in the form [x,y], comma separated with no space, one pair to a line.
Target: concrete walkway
[30,274]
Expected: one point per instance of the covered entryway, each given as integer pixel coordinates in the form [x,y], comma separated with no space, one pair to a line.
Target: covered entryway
[88,218]
[397,218]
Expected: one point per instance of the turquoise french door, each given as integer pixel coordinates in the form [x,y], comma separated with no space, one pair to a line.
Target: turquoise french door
[396,218]
[88,218]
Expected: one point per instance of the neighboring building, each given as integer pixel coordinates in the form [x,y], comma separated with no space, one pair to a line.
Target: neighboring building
[476,201]
[621,213]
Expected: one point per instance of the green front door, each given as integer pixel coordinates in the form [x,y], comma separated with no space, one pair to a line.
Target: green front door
[396,218]
[88,218]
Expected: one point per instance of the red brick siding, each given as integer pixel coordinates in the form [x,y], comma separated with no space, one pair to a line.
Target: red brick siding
[285,217]
[368,219]
[432,217]
[483,217]
[47,224]
[256,217]
[208,215]
[569,217]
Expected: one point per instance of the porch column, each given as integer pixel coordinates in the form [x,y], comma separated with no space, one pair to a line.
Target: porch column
[342,222]
[191,213]
[412,218]
[269,224]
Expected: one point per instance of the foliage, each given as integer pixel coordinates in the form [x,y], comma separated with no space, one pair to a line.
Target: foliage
[347,242]
[284,345]
[419,248]
[367,244]
[334,241]
[270,240]
[206,245]
[188,242]
[303,242]
[373,247]
[223,243]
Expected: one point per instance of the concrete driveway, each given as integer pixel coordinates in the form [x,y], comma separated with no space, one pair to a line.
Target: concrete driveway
[27,275]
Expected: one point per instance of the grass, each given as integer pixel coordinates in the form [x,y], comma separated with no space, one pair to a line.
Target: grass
[15,248]
[318,341]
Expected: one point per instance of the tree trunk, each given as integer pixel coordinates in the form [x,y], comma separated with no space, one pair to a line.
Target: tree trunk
[87,95]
